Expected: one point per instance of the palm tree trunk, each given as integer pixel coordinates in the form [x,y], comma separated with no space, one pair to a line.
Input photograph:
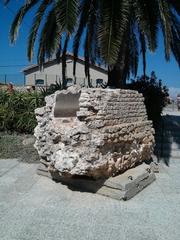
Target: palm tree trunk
[118,73]
[116,77]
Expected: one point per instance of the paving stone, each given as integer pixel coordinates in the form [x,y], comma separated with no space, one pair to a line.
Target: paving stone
[140,233]
[123,186]
[50,210]
[6,165]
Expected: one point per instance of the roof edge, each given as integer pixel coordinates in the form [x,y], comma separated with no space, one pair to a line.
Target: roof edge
[35,67]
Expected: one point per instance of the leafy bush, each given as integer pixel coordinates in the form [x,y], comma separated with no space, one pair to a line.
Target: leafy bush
[52,89]
[155,94]
[17,108]
[17,111]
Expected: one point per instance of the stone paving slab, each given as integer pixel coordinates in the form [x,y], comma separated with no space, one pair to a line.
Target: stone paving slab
[121,187]
[35,207]
[6,165]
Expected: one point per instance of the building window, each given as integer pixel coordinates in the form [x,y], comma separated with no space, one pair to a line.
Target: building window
[39,82]
[99,82]
[69,80]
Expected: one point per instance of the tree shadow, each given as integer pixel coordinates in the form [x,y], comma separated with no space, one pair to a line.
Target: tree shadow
[167,138]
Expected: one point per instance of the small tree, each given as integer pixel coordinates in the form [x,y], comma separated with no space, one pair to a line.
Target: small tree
[155,94]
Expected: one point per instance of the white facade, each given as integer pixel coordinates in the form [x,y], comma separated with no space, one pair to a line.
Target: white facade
[52,73]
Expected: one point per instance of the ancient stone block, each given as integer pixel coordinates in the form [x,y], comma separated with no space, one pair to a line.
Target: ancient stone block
[93,132]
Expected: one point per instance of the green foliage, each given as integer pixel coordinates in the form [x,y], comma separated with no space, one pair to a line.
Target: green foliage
[114,33]
[52,89]
[155,94]
[17,111]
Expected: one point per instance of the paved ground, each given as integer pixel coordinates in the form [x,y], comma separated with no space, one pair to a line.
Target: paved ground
[36,208]
[170,110]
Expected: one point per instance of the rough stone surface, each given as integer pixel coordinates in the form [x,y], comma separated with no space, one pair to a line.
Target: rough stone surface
[108,135]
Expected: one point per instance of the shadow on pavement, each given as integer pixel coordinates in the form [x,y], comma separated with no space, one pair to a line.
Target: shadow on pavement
[167,139]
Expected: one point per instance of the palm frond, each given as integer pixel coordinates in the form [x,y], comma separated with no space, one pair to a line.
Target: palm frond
[36,25]
[50,38]
[19,18]
[84,11]
[6,2]
[166,26]
[67,13]
[175,44]
[146,16]
[112,26]
[176,5]
[114,33]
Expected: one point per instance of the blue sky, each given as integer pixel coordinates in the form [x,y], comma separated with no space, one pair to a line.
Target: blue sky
[16,55]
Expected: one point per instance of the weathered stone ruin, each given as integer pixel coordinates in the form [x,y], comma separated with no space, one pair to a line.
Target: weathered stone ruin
[93,132]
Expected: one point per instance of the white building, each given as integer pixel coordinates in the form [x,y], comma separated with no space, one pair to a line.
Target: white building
[52,73]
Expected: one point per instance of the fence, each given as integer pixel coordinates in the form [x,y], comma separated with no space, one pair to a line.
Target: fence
[45,80]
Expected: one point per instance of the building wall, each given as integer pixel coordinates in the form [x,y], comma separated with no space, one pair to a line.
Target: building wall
[53,73]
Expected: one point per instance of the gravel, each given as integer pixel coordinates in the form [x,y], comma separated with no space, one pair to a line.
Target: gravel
[18,146]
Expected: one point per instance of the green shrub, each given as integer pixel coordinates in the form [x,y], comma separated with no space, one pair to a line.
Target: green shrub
[51,89]
[155,94]
[17,111]
[17,108]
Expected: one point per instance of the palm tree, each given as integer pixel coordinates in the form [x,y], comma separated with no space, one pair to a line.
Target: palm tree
[58,18]
[124,30]
[115,33]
